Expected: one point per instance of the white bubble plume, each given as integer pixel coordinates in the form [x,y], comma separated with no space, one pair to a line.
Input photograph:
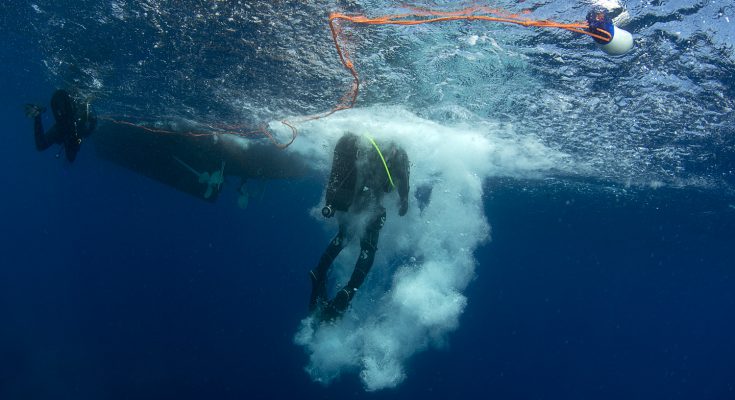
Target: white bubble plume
[412,297]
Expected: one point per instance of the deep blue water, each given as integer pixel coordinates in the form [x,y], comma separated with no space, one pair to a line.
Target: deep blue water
[113,286]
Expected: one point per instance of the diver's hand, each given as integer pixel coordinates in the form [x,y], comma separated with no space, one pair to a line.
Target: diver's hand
[33,110]
[403,208]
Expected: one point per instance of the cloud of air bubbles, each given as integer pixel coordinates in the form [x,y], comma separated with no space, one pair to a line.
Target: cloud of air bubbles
[413,296]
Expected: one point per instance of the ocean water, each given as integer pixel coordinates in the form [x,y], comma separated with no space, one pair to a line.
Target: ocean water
[578,242]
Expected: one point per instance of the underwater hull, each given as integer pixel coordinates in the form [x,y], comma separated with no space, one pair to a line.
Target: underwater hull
[180,160]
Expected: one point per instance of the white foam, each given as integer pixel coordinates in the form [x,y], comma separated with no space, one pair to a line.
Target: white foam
[413,295]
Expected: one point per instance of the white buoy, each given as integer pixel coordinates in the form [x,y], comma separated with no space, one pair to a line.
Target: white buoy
[600,24]
[621,43]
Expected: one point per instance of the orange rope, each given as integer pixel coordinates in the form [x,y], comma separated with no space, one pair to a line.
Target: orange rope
[467,14]
[213,130]
[416,17]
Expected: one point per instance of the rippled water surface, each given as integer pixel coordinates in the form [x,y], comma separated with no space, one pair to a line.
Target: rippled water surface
[659,115]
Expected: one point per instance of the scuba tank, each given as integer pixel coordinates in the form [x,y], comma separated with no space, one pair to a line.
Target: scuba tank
[343,178]
[620,42]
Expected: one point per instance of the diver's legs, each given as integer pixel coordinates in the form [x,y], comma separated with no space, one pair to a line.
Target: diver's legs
[319,274]
[368,246]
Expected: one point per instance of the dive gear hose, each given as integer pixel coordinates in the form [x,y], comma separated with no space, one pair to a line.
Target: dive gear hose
[390,178]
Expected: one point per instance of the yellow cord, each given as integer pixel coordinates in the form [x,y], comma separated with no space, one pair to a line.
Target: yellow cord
[390,179]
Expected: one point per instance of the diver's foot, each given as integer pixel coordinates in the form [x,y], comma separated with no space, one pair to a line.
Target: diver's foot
[338,305]
[318,292]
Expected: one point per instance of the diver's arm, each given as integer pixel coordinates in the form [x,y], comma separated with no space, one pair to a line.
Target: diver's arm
[44,140]
[402,178]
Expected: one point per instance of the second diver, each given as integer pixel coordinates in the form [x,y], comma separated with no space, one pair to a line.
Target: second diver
[74,122]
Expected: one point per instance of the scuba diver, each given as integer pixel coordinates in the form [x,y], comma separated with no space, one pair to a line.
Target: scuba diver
[362,173]
[74,122]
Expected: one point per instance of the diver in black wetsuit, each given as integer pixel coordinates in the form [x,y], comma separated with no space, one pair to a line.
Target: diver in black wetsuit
[361,174]
[74,122]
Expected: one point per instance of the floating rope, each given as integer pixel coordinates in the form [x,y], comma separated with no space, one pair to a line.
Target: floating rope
[422,16]
[417,16]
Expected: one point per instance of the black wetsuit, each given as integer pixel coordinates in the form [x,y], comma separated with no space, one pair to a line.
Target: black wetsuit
[368,176]
[70,128]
